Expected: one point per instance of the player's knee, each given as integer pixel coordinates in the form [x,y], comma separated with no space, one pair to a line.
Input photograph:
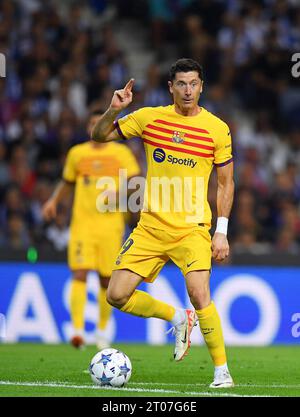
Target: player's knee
[121,287]
[200,296]
[116,298]
[80,275]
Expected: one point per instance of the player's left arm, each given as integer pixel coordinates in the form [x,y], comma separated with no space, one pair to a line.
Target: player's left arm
[225,192]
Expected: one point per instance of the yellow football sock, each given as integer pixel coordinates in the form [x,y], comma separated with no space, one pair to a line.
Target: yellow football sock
[210,324]
[77,303]
[143,304]
[104,308]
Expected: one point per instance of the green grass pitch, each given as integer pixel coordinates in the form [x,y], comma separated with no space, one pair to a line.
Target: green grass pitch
[60,370]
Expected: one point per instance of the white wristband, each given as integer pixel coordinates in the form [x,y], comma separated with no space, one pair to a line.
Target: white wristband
[222,225]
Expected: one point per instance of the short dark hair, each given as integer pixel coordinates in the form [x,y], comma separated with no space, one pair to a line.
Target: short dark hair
[185,65]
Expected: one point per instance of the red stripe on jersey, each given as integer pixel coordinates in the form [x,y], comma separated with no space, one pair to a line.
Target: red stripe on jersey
[195,145]
[172,148]
[193,129]
[188,135]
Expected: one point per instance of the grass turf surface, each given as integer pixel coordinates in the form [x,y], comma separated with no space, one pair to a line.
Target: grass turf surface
[60,370]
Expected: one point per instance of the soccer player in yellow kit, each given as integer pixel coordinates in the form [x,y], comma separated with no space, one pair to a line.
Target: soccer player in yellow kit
[182,141]
[95,235]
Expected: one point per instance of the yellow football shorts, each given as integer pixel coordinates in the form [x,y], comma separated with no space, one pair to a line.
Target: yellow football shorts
[147,250]
[91,253]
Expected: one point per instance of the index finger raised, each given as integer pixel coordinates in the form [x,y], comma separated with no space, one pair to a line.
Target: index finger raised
[129,85]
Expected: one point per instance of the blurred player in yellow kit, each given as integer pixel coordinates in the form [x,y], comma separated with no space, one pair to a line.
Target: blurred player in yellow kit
[95,235]
[183,142]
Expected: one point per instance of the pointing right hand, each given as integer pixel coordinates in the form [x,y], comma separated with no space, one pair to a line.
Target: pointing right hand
[122,98]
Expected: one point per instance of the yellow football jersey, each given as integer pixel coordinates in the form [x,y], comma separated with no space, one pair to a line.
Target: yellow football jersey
[181,152]
[85,165]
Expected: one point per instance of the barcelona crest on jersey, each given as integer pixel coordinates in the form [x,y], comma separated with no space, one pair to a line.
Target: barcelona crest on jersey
[178,137]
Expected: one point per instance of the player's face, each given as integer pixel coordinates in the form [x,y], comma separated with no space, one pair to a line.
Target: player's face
[186,89]
[91,123]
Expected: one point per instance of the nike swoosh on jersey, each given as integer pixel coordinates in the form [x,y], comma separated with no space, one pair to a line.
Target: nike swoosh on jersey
[188,265]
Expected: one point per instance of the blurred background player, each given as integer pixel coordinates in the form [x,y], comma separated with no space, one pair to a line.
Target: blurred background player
[95,237]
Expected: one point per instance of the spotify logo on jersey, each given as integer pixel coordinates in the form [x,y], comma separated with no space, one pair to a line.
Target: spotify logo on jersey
[159,155]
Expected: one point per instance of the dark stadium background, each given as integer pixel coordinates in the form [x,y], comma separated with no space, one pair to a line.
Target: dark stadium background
[65,58]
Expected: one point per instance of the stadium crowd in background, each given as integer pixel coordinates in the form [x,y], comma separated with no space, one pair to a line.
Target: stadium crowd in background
[63,59]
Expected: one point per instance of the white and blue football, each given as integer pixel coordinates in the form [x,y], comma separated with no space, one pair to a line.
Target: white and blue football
[110,367]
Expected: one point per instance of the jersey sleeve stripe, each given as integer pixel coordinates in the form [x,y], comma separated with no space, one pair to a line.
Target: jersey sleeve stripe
[181,150]
[193,129]
[117,126]
[188,135]
[194,145]
[222,164]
